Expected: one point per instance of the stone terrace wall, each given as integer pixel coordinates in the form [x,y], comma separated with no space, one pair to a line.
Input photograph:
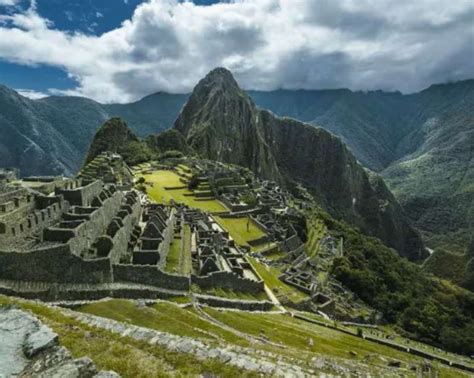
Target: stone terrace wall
[83,195]
[168,235]
[53,264]
[234,303]
[18,225]
[122,237]
[83,236]
[229,281]
[149,275]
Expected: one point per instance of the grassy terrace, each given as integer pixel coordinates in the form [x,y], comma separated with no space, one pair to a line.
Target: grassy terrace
[230,294]
[185,263]
[162,179]
[163,317]
[317,230]
[174,255]
[295,334]
[280,289]
[131,358]
[126,356]
[237,228]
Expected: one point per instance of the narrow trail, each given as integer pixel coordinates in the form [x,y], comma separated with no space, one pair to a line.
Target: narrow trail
[250,338]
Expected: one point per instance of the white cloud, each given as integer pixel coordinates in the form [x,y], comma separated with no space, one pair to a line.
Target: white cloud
[34,95]
[169,45]
[8,3]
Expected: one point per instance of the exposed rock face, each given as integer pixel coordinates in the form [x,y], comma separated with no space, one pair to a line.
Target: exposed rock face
[29,348]
[221,122]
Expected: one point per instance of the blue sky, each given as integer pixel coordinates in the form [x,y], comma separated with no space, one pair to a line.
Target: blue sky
[86,16]
[122,50]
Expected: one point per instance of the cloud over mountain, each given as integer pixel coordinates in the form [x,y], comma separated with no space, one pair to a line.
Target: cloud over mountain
[168,45]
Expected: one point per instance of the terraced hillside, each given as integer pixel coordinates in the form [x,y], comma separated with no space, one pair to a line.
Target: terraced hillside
[181,340]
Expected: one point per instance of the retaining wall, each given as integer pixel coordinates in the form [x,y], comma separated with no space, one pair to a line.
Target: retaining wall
[149,275]
[53,264]
[83,195]
[234,303]
[229,281]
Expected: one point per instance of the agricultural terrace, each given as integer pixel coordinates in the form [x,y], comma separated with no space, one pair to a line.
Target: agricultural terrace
[165,185]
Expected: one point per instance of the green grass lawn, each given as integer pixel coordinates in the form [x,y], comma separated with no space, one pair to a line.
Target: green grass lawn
[165,317]
[174,255]
[280,289]
[128,357]
[162,179]
[294,333]
[185,266]
[132,358]
[237,228]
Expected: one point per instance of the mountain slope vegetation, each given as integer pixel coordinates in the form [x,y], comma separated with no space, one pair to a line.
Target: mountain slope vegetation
[221,122]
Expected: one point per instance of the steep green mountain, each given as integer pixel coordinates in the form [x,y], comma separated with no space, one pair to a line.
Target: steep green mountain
[51,136]
[167,141]
[45,136]
[221,122]
[435,179]
[115,136]
[370,123]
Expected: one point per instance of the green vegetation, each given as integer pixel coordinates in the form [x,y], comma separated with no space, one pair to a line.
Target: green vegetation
[237,228]
[281,290]
[158,186]
[115,136]
[231,294]
[185,264]
[128,357]
[174,256]
[168,141]
[316,231]
[131,358]
[427,309]
[295,334]
[165,317]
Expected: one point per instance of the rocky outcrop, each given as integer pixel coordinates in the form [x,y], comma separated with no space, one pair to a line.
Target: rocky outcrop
[221,122]
[30,348]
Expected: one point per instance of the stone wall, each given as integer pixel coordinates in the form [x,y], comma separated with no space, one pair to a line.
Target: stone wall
[149,275]
[168,235]
[82,196]
[84,235]
[122,237]
[29,219]
[53,264]
[234,303]
[228,281]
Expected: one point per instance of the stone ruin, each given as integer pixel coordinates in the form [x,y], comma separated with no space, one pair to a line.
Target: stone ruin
[89,240]
[217,261]
[108,167]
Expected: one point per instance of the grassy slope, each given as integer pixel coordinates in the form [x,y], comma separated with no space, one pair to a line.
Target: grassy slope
[126,356]
[280,289]
[237,228]
[169,179]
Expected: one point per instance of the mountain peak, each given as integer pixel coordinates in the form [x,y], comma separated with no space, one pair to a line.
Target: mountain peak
[219,78]
[115,136]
